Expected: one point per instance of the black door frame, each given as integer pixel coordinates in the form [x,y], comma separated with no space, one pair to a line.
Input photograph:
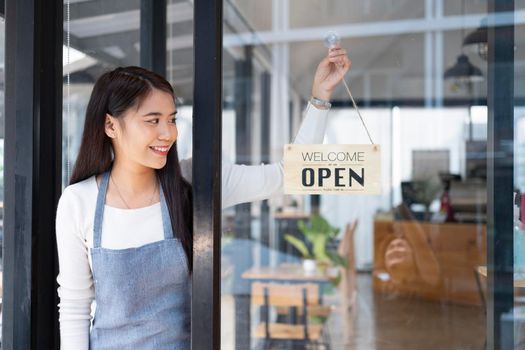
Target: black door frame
[33,146]
[206,178]
[153,22]
[500,177]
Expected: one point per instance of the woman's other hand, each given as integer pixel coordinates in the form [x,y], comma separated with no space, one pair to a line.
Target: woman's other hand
[330,72]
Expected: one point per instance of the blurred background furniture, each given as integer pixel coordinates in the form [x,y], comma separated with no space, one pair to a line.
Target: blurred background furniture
[295,335]
[292,274]
[348,284]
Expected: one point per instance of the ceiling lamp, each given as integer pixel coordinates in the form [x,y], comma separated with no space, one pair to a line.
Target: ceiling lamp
[464,71]
[479,40]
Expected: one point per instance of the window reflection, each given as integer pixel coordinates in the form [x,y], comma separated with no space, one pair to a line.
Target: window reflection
[102,36]
[417,252]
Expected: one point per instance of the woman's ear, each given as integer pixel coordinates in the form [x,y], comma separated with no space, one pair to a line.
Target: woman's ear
[109,126]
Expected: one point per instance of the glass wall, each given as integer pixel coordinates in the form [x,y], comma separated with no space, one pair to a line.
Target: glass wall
[105,35]
[415,256]
[100,36]
[179,70]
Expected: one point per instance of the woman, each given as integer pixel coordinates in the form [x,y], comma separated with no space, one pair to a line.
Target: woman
[124,224]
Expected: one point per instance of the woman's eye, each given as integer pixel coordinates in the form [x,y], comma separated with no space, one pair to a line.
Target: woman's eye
[156,121]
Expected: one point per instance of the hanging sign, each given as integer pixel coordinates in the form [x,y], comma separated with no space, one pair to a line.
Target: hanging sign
[332,169]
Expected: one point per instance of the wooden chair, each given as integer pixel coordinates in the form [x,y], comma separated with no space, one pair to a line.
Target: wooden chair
[349,278]
[322,311]
[302,296]
[319,311]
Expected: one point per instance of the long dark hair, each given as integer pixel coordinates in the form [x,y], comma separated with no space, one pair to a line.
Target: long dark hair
[114,93]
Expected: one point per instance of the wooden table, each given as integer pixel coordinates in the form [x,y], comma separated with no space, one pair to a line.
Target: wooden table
[482,271]
[518,283]
[287,273]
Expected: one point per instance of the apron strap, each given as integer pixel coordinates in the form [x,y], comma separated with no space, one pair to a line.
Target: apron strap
[166,222]
[99,210]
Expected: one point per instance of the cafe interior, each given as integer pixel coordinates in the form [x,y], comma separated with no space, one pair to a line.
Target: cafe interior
[405,269]
[399,270]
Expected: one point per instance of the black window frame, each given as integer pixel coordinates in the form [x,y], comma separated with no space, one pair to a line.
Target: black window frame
[500,177]
[33,148]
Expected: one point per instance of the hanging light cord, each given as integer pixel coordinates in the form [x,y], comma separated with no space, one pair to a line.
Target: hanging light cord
[357,110]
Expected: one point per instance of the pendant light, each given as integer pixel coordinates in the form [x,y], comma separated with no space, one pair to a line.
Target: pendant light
[463,71]
[479,40]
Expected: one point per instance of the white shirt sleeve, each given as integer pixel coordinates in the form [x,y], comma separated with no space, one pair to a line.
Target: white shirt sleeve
[247,183]
[75,281]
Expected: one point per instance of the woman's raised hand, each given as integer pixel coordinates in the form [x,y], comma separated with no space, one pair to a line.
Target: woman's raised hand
[330,72]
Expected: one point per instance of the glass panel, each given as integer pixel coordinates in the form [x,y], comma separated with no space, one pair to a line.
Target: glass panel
[103,36]
[179,70]
[415,253]
[464,7]
[315,13]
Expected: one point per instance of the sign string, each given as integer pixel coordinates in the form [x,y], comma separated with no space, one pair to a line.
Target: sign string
[357,109]
[332,39]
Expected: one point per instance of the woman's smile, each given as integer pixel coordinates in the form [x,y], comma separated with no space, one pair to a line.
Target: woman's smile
[162,151]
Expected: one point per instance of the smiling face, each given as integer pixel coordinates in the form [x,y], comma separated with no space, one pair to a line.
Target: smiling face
[143,136]
[399,261]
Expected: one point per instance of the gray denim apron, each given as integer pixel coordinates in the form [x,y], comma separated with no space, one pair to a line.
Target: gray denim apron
[142,294]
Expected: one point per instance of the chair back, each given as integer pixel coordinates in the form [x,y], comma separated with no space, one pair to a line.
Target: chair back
[285,295]
[347,250]
[346,247]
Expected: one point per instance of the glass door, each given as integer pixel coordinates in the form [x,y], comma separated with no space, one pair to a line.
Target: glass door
[423,264]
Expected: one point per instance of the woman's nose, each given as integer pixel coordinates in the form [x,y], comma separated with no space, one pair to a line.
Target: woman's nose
[165,132]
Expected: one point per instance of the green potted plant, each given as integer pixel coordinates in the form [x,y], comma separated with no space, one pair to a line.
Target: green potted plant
[317,233]
[425,191]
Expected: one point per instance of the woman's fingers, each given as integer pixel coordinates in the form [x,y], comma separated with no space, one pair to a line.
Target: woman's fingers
[342,62]
[336,52]
[339,59]
[338,56]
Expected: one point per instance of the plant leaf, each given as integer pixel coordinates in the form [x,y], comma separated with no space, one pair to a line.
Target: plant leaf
[298,244]
[337,259]
[319,248]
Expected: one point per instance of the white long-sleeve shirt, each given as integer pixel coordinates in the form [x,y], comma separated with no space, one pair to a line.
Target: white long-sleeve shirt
[126,228]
